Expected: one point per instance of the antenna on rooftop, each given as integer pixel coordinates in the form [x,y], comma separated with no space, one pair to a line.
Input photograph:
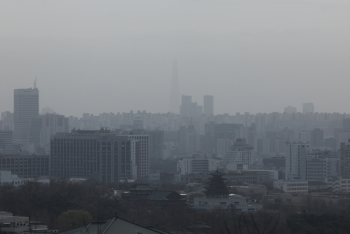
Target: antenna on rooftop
[35,83]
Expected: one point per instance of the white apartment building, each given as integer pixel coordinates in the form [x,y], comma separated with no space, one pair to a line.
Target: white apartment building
[292,186]
[143,160]
[197,164]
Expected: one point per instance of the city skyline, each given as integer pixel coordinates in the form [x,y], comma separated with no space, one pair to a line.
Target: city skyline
[240,54]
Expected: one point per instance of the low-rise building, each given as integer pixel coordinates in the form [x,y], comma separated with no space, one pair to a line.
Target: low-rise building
[292,186]
[341,185]
[238,201]
[252,176]
[26,166]
[196,164]
[13,224]
[251,189]
[217,196]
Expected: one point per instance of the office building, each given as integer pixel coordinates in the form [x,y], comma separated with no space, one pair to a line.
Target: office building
[188,140]
[93,153]
[346,125]
[26,107]
[196,164]
[43,127]
[7,120]
[295,152]
[143,161]
[308,108]
[344,153]
[155,140]
[319,165]
[26,166]
[208,103]
[296,187]
[6,144]
[188,108]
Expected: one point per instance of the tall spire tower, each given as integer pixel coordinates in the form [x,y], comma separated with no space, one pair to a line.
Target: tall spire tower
[175,90]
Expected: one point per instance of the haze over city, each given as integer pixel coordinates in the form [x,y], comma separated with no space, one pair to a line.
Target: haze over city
[116,56]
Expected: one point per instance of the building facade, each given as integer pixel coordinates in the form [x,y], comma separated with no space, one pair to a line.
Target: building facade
[26,166]
[294,152]
[292,186]
[26,107]
[197,164]
[99,154]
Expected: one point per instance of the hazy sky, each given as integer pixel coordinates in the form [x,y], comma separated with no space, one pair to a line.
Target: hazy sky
[116,56]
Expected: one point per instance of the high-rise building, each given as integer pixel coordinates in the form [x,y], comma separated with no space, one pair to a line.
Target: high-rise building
[26,107]
[175,91]
[208,103]
[346,125]
[290,109]
[308,108]
[90,153]
[319,165]
[7,120]
[344,154]
[45,126]
[295,153]
[6,144]
[143,161]
[189,108]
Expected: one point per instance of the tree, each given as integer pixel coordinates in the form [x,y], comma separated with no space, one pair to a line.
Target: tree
[74,218]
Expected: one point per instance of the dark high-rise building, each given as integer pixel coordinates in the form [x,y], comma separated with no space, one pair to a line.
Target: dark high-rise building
[6,141]
[26,107]
[344,153]
[99,154]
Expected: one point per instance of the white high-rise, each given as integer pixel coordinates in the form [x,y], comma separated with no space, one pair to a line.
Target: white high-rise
[26,107]
[143,160]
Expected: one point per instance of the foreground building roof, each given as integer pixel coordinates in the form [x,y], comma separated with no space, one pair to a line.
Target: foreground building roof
[114,225]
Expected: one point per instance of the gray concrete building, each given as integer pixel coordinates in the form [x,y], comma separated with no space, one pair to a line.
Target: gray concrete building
[93,153]
[26,166]
[26,107]
[6,143]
